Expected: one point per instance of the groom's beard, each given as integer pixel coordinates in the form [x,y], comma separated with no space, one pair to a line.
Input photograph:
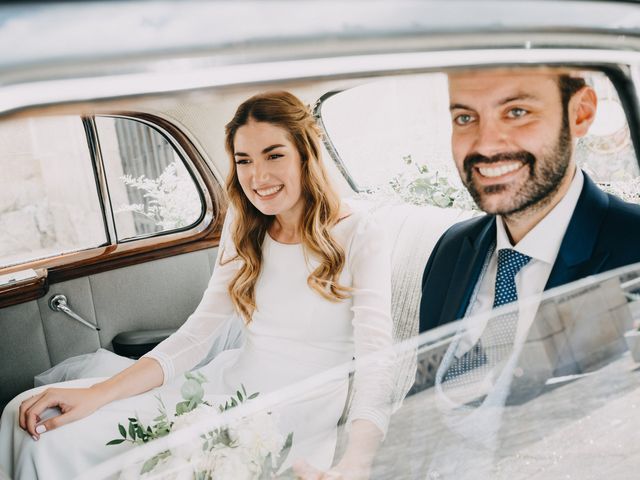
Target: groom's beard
[545,176]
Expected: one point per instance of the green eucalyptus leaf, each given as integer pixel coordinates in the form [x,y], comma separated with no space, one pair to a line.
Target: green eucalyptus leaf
[265,471]
[284,452]
[150,464]
[123,431]
[192,390]
[117,441]
[182,408]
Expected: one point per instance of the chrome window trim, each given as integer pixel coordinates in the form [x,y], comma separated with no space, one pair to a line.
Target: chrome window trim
[95,152]
[328,143]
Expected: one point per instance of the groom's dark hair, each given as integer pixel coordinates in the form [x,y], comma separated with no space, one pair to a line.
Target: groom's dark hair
[569,86]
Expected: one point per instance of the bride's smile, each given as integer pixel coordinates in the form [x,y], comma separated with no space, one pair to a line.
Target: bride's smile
[269,170]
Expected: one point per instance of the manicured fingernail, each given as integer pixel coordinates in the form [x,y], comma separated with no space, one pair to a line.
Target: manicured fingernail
[34,438]
[41,429]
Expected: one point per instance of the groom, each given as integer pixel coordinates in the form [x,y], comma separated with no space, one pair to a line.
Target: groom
[513,136]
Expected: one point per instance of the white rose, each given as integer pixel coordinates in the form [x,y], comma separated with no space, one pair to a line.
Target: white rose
[260,434]
[194,417]
[232,464]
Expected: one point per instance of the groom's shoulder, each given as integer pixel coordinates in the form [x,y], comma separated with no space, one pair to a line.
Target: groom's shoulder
[621,225]
[449,246]
[621,211]
[470,228]
[617,214]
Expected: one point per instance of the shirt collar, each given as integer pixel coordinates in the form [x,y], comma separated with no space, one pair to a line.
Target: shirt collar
[544,240]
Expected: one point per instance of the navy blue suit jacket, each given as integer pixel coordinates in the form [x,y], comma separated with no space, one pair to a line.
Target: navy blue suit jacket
[603,234]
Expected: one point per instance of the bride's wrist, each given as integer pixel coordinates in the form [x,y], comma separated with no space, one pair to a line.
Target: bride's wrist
[353,468]
[102,393]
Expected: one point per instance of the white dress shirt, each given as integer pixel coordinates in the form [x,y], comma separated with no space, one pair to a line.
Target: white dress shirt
[542,244]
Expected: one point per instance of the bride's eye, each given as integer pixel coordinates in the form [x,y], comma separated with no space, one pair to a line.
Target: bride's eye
[274,156]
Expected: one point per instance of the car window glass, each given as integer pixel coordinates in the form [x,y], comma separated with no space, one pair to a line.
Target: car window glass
[49,202]
[150,188]
[557,397]
[393,136]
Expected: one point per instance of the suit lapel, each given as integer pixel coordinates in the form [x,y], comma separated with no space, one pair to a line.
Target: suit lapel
[466,271]
[577,256]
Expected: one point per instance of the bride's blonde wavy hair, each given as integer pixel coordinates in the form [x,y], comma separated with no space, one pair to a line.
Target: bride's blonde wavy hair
[320,214]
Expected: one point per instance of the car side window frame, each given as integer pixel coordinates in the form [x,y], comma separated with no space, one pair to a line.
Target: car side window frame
[202,234]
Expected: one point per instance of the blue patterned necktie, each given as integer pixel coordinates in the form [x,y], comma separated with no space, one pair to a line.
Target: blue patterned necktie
[496,343]
[509,264]
[501,329]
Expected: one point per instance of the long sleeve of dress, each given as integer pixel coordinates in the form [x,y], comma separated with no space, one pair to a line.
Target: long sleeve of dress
[370,264]
[191,342]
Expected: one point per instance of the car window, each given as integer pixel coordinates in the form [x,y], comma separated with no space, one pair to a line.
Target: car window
[150,188]
[54,199]
[49,203]
[392,136]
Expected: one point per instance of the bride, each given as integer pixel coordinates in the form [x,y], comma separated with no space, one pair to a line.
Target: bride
[310,277]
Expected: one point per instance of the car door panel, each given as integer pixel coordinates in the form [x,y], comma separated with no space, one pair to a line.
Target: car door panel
[65,336]
[160,294]
[23,349]
[153,295]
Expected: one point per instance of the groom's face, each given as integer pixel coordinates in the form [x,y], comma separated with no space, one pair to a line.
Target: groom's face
[511,139]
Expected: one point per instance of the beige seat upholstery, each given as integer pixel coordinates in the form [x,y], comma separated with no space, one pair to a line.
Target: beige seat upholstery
[412,232]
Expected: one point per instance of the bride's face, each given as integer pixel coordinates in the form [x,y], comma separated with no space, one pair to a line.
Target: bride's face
[269,169]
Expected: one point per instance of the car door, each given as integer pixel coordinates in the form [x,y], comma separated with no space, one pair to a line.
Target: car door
[116,217]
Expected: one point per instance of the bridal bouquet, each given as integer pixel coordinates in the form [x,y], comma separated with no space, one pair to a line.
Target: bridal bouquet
[249,448]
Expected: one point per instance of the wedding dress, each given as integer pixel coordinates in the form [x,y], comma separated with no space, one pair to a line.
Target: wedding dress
[294,334]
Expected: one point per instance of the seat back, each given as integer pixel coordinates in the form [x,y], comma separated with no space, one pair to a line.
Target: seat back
[412,232]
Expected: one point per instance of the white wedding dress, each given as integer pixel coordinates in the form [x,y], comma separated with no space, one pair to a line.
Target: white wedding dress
[294,334]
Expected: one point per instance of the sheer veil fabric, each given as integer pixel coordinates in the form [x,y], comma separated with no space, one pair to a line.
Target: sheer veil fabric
[295,334]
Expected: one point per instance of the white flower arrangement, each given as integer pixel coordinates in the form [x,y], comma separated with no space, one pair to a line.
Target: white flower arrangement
[173,199]
[416,184]
[249,448]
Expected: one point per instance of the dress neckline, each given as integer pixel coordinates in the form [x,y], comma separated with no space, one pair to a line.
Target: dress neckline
[340,222]
[273,240]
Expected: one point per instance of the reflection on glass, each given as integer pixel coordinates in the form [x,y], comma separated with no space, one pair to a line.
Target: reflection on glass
[557,404]
[560,399]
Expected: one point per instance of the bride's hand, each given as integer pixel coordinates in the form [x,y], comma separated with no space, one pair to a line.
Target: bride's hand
[74,403]
[342,471]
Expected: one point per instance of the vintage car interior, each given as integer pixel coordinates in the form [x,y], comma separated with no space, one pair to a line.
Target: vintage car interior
[113,165]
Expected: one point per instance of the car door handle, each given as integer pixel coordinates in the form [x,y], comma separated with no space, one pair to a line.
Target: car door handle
[58,303]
